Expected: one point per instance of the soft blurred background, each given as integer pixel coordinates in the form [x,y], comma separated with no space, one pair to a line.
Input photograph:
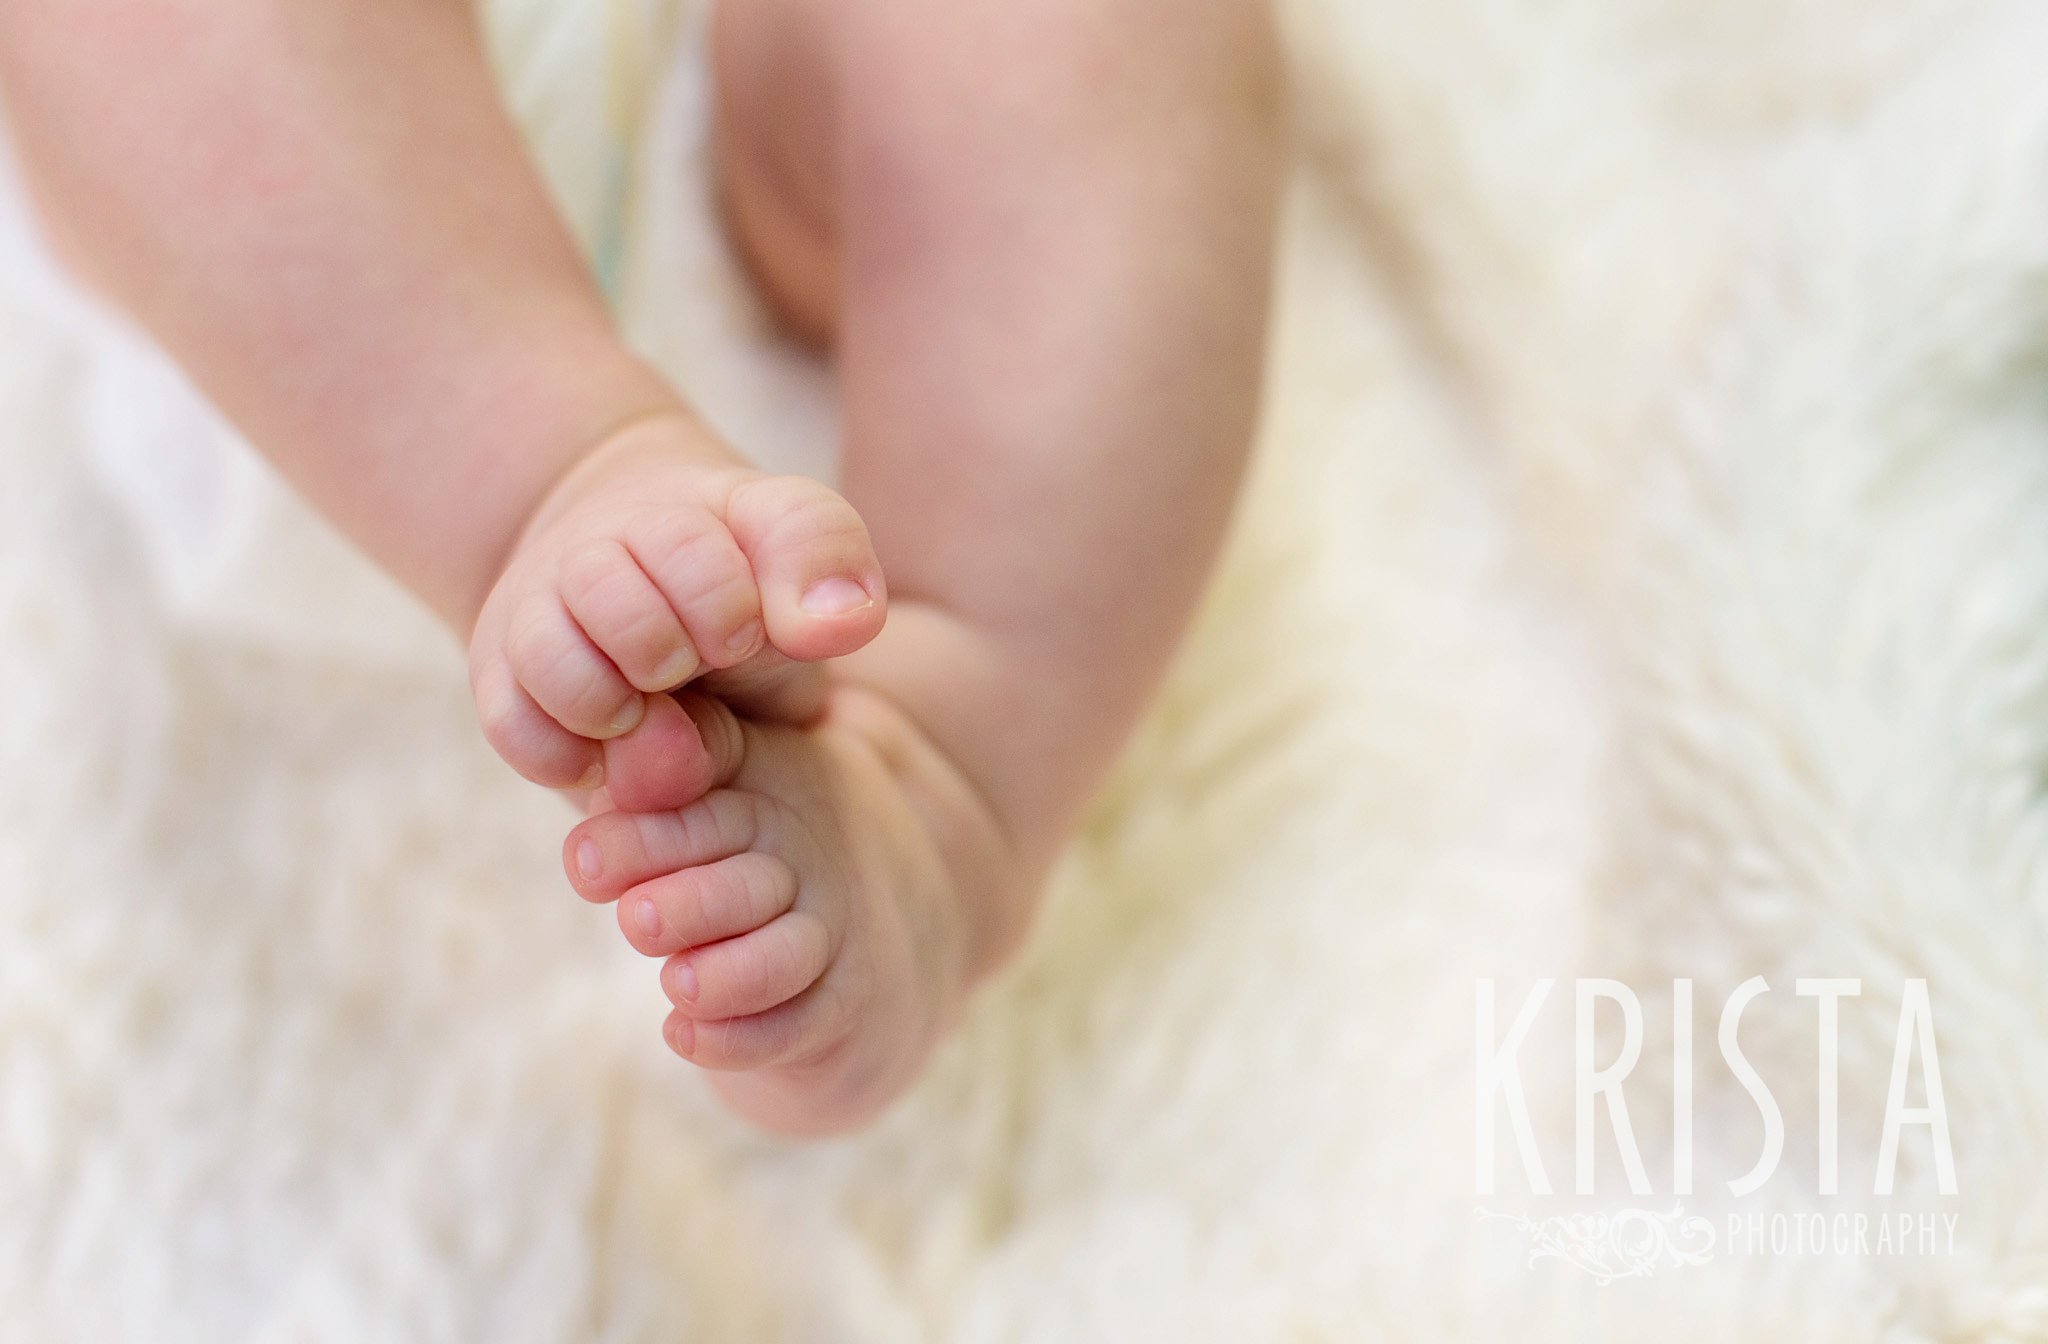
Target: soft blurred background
[1646,575]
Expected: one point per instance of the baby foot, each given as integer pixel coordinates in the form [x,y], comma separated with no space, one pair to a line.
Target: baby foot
[823,910]
[658,558]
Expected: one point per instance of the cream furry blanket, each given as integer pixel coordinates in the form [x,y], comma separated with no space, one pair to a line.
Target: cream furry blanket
[1647,576]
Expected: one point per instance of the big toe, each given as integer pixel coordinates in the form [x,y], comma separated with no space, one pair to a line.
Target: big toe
[686,745]
[821,586]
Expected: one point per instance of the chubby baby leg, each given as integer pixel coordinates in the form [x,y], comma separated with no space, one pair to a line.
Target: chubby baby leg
[1037,237]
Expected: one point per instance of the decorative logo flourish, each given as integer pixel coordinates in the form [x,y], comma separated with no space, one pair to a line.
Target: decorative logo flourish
[1625,1244]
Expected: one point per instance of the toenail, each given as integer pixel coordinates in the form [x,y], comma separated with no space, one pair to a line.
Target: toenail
[589,863]
[592,777]
[835,597]
[685,1036]
[744,642]
[628,718]
[649,919]
[685,978]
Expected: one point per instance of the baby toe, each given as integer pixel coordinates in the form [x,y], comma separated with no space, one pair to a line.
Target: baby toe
[692,558]
[704,905]
[752,973]
[807,1027]
[821,587]
[567,676]
[687,744]
[611,853]
[626,616]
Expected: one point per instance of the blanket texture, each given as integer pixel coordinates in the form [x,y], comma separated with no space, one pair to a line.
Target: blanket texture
[1645,575]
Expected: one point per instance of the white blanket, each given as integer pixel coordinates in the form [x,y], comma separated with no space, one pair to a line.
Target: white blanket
[1646,576]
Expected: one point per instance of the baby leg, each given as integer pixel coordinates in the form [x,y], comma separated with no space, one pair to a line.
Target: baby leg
[1037,238]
